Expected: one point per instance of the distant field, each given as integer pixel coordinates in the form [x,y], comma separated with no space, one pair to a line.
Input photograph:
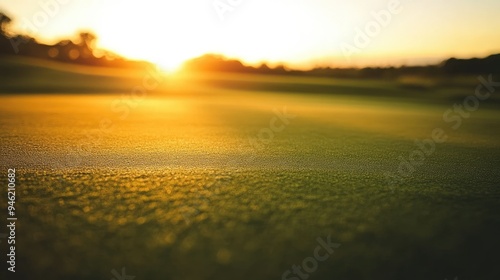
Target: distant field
[201,178]
[21,75]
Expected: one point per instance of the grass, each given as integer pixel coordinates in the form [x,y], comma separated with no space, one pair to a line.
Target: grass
[175,190]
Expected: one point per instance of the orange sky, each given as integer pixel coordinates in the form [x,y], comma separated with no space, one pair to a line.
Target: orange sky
[300,33]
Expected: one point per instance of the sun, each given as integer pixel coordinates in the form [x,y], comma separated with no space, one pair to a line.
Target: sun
[164,33]
[169,64]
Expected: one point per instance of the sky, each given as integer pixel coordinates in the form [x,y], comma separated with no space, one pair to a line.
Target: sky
[298,33]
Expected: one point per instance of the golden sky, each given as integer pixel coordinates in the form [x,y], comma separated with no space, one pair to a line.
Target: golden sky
[300,33]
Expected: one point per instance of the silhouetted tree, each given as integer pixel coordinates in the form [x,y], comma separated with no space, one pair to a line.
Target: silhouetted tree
[4,21]
[87,40]
[86,45]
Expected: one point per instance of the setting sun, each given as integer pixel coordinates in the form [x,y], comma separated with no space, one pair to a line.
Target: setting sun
[164,33]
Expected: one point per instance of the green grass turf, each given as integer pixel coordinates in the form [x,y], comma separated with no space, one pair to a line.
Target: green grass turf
[175,189]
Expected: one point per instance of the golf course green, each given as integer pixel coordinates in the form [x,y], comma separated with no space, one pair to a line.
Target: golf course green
[238,176]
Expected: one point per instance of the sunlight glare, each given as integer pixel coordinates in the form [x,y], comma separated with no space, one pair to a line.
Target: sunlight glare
[164,33]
